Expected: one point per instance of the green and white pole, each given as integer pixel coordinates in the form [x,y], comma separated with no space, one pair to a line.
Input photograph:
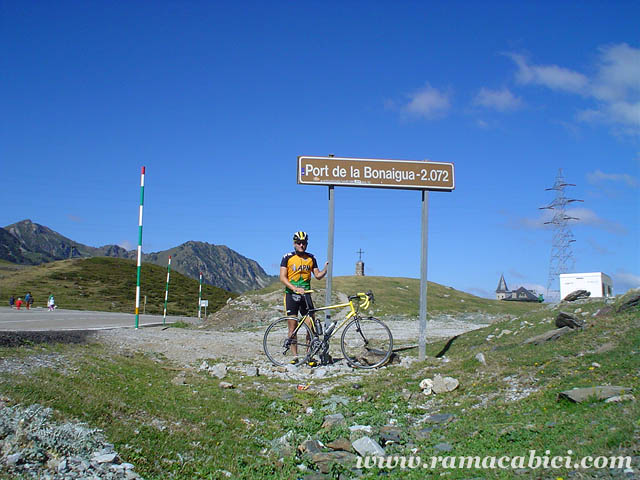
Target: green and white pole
[139,246]
[200,297]
[166,292]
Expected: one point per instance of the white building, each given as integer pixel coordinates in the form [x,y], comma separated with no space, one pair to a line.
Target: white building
[597,283]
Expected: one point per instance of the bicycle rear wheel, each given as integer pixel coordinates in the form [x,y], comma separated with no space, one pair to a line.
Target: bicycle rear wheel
[366,343]
[281,348]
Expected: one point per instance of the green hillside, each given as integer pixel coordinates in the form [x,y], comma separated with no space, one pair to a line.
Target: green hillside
[107,284]
[401,296]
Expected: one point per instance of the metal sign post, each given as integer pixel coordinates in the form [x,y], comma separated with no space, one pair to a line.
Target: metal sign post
[327,318]
[373,172]
[422,336]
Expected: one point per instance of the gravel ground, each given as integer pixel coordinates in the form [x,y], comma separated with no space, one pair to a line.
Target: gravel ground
[188,347]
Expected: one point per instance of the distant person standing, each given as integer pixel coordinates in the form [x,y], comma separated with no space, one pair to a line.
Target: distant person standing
[18,303]
[28,299]
[51,303]
[12,301]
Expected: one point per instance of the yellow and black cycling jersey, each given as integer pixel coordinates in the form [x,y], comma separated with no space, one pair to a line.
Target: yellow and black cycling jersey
[299,268]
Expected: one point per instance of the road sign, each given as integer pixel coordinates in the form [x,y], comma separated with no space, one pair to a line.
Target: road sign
[371,172]
[204,303]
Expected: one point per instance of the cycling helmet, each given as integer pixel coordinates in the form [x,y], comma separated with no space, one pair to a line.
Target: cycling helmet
[301,237]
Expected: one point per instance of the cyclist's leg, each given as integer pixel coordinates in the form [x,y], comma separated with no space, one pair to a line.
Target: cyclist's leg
[293,336]
[292,306]
[306,307]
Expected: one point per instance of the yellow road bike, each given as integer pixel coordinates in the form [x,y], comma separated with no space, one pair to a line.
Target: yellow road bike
[366,342]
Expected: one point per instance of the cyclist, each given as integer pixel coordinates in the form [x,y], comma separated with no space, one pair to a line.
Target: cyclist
[295,273]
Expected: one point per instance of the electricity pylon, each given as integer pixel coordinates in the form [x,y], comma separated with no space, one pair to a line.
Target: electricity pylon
[562,260]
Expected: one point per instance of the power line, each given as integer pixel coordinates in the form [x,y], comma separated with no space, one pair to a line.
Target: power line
[561,260]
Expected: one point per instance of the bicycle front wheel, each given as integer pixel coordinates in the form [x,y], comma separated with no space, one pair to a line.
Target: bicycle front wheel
[283,349]
[366,343]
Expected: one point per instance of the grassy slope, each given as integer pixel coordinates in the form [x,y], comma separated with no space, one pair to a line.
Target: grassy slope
[207,429]
[107,284]
[6,266]
[401,296]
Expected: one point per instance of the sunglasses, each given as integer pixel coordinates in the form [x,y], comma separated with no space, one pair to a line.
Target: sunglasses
[300,243]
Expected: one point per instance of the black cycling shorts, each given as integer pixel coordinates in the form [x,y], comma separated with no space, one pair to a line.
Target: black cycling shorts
[295,303]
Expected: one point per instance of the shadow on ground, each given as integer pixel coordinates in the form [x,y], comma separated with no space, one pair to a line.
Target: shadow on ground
[17,339]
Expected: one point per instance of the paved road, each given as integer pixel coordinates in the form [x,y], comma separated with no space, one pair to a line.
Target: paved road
[41,319]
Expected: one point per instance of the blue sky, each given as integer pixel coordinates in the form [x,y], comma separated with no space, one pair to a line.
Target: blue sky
[217,100]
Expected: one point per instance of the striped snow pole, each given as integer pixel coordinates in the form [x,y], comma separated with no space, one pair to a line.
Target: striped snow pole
[200,297]
[139,246]
[166,292]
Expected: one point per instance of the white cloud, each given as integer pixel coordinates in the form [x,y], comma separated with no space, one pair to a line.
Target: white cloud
[584,217]
[530,223]
[75,218]
[618,77]
[501,100]
[591,218]
[550,76]
[126,244]
[427,102]
[625,114]
[598,177]
[623,281]
[614,87]
[533,223]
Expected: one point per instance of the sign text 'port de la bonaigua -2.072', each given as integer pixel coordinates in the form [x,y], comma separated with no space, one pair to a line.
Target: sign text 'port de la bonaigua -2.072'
[369,172]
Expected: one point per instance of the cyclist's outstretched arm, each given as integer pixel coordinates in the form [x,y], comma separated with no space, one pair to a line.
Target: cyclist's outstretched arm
[319,274]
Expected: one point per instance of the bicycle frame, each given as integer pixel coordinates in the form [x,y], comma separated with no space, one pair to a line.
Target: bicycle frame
[353,311]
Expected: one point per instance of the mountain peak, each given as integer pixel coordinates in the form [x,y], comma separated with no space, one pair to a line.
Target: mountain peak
[220,265]
[29,243]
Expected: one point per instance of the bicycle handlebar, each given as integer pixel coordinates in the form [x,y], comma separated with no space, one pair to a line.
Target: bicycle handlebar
[365,298]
